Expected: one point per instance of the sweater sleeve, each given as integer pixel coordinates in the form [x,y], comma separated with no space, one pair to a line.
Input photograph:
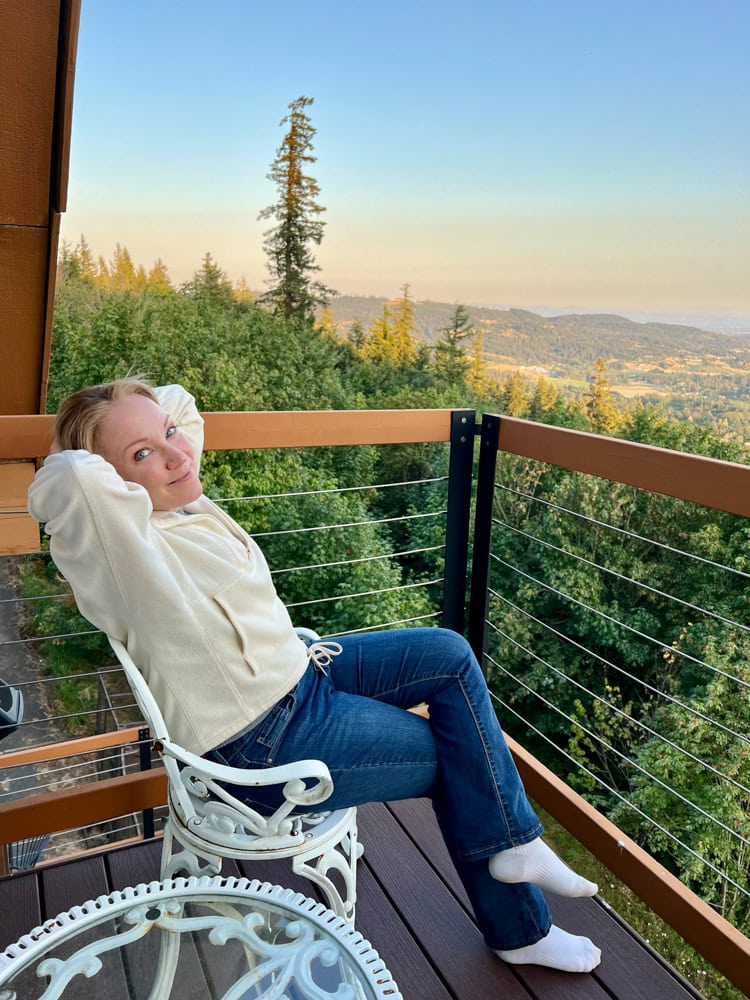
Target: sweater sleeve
[101,538]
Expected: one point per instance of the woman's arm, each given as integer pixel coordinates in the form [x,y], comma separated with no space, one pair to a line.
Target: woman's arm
[101,539]
[180,405]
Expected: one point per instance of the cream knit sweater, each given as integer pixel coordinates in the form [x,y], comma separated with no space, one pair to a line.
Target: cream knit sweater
[189,594]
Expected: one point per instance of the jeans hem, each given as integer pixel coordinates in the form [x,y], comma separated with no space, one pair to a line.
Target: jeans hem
[513,945]
[479,853]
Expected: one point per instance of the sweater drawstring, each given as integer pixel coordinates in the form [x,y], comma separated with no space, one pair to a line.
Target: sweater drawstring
[321,654]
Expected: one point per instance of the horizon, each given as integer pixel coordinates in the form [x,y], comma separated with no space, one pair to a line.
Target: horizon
[737,325]
[576,160]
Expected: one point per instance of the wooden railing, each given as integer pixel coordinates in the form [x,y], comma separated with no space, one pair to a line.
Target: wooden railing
[723,485]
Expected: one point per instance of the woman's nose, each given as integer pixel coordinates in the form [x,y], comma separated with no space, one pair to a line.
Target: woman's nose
[174,457]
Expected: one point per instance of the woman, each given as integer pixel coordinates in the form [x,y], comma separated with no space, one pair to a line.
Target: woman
[157,565]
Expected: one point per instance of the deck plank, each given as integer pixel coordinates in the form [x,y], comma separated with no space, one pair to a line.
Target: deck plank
[418,821]
[411,907]
[434,917]
[627,968]
[396,943]
[20,907]
[65,886]
[134,864]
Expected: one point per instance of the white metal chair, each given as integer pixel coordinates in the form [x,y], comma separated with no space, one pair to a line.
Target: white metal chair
[210,824]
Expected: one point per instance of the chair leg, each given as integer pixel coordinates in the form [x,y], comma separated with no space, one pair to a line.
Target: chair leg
[169,953]
[341,857]
[186,859]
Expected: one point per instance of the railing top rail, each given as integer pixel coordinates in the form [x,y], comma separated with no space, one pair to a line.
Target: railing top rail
[30,436]
[706,481]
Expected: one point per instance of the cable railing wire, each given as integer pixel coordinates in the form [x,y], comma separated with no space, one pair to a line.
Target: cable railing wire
[334,489]
[44,638]
[613,791]
[75,715]
[86,758]
[348,524]
[362,559]
[618,753]
[42,597]
[582,687]
[383,625]
[638,722]
[638,680]
[615,621]
[622,576]
[73,772]
[364,593]
[624,531]
[102,671]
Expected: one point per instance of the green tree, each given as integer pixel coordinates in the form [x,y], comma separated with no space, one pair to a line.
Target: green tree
[157,278]
[405,329]
[391,337]
[600,405]
[544,399]
[357,334]
[242,292]
[84,260]
[514,397]
[380,341]
[291,263]
[326,325]
[209,284]
[477,377]
[450,355]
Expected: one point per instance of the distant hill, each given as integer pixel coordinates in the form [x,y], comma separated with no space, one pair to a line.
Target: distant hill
[563,344]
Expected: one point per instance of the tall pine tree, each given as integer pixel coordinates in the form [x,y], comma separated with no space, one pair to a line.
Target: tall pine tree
[451,361]
[291,264]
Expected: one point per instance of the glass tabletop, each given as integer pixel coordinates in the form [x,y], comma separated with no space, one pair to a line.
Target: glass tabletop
[228,938]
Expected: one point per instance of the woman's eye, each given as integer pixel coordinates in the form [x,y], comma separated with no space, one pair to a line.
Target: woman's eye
[140,455]
[170,431]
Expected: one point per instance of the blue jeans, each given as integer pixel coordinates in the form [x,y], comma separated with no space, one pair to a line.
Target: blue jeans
[352,718]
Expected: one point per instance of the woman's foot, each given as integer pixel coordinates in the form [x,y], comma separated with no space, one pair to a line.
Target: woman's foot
[538,864]
[558,950]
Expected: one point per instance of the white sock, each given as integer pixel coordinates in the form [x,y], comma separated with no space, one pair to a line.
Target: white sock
[558,950]
[538,864]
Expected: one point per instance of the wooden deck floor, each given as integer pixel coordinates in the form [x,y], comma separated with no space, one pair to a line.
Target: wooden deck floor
[411,907]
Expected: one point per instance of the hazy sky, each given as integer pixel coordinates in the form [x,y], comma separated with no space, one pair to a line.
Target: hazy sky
[586,154]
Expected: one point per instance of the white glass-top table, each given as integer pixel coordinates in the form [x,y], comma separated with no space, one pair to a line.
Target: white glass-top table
[228,938]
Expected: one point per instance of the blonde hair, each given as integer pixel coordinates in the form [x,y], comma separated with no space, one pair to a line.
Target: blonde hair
[79,417]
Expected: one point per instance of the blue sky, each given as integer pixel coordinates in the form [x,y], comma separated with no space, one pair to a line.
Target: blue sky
[579,155]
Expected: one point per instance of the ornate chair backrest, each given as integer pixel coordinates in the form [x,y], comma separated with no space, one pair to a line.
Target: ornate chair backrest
[196,794]
[156,724]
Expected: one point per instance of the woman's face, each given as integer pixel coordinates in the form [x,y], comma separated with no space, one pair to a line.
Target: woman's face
[142,442]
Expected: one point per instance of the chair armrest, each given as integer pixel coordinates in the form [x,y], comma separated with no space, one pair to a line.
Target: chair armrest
[293,776]
[299,770]
[307,634]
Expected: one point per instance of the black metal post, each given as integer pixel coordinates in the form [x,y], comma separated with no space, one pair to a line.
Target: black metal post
[460,471]
[480,569]
[144,750]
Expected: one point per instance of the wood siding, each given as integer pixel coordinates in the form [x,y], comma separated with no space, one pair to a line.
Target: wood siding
[39,39]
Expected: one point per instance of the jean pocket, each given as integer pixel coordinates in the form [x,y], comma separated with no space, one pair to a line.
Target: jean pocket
[271,731]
